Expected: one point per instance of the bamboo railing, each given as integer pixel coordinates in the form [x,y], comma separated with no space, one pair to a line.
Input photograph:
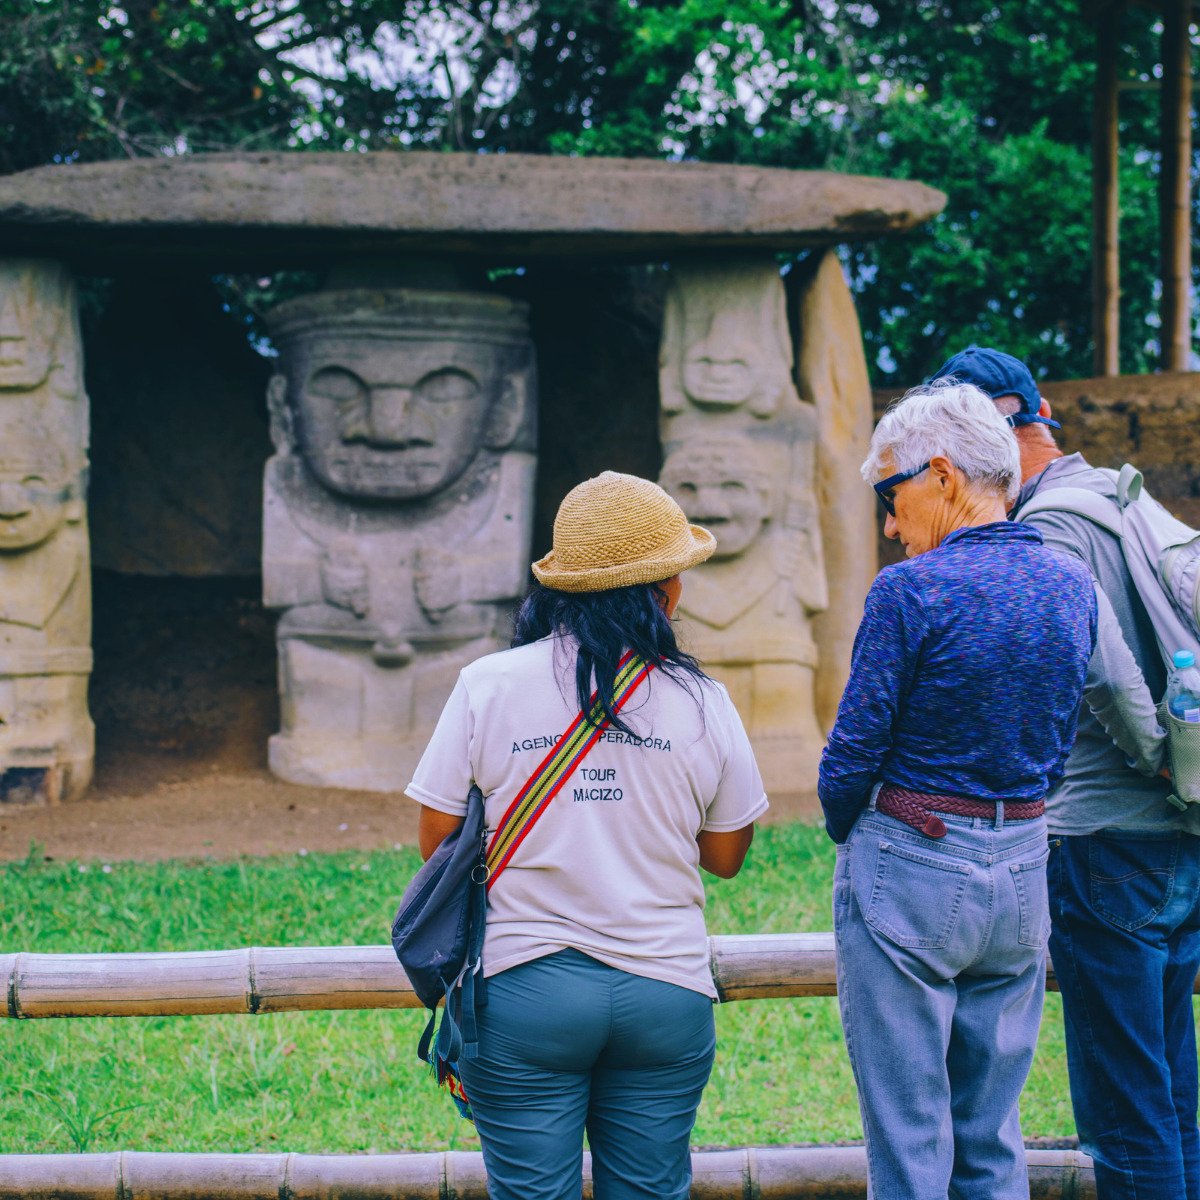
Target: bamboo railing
[761,1172]
[281,979]
[271,979]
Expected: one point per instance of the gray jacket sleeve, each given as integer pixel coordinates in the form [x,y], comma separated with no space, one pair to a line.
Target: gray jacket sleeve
[1118,697]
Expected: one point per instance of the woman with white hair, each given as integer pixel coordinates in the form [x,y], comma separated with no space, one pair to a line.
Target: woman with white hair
[966,679]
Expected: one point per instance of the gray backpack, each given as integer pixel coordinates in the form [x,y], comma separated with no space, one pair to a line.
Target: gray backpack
[1163,557]
[1161,552]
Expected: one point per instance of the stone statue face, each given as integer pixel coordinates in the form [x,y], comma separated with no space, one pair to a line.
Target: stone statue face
[33,305]
[713,492]
[395,419]
[35,500]
[720,372]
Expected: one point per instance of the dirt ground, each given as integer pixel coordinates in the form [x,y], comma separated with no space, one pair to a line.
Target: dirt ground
[209,814]
[184,699]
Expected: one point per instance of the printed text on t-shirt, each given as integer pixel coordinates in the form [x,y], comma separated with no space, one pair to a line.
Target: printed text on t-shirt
[598,775]
[615,736]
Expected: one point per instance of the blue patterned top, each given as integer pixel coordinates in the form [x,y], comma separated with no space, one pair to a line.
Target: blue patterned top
[967,674]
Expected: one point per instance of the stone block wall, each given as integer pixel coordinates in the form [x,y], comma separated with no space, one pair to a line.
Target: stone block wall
[1152,421]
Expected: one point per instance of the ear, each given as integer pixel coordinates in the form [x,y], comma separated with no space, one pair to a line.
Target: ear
[766,400]
[76,489]
[283,436]
[670,355]
[508,414]
[943,475]
[1044,408]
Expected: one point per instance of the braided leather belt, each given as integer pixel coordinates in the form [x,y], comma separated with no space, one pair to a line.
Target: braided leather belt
[920,809]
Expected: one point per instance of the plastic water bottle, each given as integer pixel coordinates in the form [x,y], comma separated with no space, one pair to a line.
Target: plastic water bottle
[1183,687]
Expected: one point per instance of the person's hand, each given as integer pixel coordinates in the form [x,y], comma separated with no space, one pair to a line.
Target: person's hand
[438,579]
[344,578]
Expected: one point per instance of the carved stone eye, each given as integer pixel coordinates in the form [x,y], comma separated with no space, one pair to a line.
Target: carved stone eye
[349,393]
[336,383]
[448,387]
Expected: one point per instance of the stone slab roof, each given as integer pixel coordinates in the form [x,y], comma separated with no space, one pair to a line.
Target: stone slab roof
[277,207]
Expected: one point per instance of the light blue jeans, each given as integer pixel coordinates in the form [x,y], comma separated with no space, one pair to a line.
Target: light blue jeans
[941,949]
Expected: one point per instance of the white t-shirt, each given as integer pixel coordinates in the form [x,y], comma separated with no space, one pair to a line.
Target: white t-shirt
[612,866]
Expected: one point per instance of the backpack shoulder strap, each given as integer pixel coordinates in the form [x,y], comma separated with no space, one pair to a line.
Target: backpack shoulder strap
[1129,485]
[1090,505]
[569,751]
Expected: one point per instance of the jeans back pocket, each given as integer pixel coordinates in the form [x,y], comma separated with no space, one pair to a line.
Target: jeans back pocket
[1033,901]
[915,897]
[1131,878]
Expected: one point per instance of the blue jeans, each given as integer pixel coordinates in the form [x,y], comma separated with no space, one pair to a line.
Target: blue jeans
[1126,949]
[941,947]
[567,1043]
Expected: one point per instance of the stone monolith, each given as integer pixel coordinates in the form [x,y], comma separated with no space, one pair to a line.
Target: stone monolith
[740,448]
[397,517]
[831,371]
[47,739]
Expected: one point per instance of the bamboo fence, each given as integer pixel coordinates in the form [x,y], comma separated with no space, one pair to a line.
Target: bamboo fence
[746,1173]
[274,979]
[280,979]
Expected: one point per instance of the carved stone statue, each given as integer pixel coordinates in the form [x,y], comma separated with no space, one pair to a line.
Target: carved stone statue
[47,740]
[740,459]
[746,613]
[725,343]
[398,510]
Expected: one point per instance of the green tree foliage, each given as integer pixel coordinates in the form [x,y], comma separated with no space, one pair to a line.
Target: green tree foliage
[990,102]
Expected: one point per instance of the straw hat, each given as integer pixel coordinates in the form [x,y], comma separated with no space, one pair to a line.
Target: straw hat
[617,530]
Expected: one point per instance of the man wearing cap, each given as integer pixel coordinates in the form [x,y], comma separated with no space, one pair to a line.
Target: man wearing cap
[1124,866]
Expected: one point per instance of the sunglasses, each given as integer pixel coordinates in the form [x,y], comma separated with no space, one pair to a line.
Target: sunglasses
[884,487]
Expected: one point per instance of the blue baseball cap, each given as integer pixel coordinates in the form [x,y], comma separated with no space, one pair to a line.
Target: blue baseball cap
[998,374]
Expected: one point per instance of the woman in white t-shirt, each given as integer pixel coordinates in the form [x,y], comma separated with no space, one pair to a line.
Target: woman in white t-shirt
[599,997]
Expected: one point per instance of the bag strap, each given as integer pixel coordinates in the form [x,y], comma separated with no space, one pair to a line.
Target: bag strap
[545,783]
[1098,509]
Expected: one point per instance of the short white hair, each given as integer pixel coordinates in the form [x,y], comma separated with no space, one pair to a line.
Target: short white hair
[952,419]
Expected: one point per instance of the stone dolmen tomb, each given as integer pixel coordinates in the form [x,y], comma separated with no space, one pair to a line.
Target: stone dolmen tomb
[414,459]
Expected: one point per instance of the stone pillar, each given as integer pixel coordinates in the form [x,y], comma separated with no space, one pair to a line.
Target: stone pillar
[831,371]
[47,741]
[739,447]
[397,517]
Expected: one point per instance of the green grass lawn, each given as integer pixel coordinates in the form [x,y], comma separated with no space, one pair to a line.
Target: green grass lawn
[349,1081]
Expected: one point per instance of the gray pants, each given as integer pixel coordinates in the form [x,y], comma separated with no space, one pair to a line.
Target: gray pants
[567,1043]
[941,947]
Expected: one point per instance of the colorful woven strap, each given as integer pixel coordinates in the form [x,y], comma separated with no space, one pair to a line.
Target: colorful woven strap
[546,782]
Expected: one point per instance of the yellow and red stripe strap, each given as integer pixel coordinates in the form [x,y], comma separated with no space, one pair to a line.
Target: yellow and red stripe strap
[546,782]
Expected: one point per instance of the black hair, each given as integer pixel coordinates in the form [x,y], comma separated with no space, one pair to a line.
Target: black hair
[605,625]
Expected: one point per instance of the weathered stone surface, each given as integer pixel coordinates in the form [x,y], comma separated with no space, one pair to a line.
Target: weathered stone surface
[725,343]
[46,735]
[292,206]
[831,371]
[1152,421]
[740,459]
[397,515]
